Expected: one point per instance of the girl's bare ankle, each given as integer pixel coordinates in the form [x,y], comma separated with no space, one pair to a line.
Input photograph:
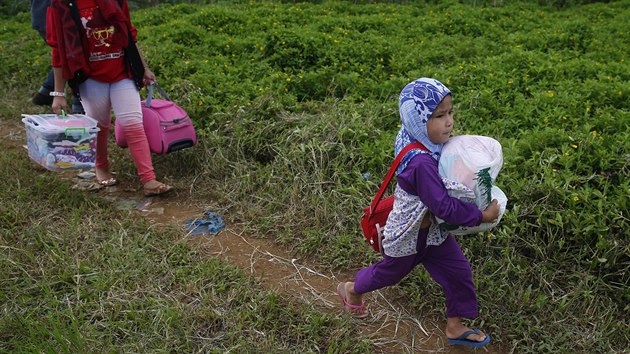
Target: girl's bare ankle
[353,297]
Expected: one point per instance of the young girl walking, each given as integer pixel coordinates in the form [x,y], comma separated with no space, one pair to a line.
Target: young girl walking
[89,39]
[411,234]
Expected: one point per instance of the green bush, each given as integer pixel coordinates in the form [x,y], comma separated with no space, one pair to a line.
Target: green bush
[296,104]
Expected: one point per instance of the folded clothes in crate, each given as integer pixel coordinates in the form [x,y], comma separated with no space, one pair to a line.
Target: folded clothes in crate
[61,142]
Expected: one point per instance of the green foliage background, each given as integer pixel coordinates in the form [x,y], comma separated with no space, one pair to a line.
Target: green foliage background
[295,102]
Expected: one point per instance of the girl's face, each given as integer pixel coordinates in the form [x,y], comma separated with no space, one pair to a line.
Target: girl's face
[440,125]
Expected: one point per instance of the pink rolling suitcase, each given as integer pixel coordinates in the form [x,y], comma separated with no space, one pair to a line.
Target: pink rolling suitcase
[166,124]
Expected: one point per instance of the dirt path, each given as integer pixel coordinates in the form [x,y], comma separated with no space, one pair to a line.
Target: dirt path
[392,329]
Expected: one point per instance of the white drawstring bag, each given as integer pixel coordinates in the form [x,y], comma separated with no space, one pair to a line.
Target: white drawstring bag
[472,163]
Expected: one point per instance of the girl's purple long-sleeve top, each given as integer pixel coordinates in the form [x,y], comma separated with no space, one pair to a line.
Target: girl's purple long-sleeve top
[421,178]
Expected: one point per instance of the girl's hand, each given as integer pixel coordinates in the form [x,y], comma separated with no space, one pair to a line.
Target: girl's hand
[491,213]
[59,103]
[149,77]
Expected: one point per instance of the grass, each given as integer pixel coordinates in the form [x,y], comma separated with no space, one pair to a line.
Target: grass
[296,103]
[78,276]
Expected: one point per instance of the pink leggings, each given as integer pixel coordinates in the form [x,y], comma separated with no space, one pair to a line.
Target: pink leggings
[98,99]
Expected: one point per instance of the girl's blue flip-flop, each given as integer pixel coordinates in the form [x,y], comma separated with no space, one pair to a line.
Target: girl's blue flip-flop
[462,340]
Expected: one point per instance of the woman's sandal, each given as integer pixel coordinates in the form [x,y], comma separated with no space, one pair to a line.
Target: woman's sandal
[357,311]
[106,182]
[160,189]
[112,181]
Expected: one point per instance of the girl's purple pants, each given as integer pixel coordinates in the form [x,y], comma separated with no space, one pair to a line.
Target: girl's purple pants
[446,264]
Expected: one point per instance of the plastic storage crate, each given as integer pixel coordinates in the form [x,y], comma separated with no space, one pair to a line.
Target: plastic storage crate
[61,142]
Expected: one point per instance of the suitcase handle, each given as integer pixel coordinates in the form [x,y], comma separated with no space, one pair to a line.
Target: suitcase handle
[147,102]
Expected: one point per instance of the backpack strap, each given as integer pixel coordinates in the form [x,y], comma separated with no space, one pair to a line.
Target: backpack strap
[392,170]
[78,76]
[132,58]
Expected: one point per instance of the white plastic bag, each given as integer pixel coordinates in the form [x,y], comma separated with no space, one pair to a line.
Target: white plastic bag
[501,198]
[473,162]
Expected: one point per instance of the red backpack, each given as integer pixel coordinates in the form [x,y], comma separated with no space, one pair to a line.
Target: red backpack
[375,216]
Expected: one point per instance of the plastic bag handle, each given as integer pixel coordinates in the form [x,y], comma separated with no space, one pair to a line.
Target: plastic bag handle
[392,170]
[147,102]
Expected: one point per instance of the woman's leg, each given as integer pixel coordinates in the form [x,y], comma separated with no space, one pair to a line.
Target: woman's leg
[96,101]
[127,109]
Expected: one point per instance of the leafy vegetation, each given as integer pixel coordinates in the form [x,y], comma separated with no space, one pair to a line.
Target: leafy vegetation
[296,103]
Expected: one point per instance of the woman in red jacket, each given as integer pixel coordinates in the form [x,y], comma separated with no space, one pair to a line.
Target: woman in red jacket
[89,40]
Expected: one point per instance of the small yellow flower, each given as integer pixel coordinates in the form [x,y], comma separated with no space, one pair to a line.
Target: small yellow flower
[574,146]
[549,93]
[594,133]
[576,198]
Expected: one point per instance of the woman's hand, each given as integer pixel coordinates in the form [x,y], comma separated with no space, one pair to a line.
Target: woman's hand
[59,103]
[149,77]
[491,213]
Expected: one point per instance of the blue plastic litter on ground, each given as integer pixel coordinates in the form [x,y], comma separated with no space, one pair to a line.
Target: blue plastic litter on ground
[211,223]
